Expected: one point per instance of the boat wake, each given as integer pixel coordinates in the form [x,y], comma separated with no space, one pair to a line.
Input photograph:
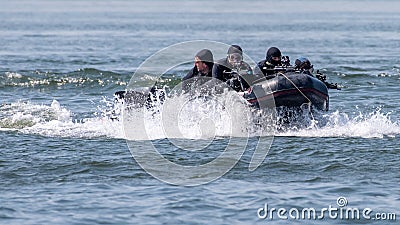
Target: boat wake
[55,120]
[196,119]
[373,124]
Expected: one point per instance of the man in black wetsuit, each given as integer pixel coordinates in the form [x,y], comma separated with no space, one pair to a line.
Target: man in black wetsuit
[201,72]
[233,70]
[273,59]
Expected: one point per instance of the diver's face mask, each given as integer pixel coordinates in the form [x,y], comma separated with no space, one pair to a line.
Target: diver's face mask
[275,60]
[235,59]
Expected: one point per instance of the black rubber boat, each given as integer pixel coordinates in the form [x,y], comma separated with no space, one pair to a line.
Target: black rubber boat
[290,89]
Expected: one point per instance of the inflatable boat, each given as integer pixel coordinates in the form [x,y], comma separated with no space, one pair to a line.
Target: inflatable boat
[290,89]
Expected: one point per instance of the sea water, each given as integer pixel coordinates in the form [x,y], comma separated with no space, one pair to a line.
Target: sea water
[64,157]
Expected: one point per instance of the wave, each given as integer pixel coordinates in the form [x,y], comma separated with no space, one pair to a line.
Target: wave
[357,73]
[81,77]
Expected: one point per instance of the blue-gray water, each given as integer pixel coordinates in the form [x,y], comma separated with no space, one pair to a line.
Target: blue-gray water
[64,161]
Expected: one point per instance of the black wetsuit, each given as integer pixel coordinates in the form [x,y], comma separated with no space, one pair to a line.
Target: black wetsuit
[222,70]
[264,67]
[195,78]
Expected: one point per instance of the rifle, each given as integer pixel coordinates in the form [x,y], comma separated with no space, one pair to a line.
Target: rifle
[322,77]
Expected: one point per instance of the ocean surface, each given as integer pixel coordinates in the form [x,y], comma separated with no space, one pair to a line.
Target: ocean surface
[64,155]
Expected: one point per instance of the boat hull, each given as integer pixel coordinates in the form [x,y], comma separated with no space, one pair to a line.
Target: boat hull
[289,90]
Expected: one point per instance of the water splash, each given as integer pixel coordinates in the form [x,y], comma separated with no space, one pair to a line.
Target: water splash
[56,121]
[375,124]
[188,117]
[196,119]
[19,115]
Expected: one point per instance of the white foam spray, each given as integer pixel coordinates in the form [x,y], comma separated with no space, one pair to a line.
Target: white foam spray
[197,119]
